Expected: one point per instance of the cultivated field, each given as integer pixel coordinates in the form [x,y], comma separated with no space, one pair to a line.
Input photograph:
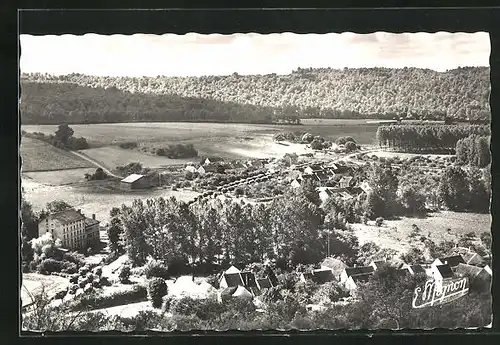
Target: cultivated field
[39,156]
[113,156]
[58,177]
[395,233]
[91,200]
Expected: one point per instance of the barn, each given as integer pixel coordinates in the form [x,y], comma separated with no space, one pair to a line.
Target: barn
[134,181]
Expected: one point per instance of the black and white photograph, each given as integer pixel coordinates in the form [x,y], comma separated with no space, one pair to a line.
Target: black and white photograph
[247,181]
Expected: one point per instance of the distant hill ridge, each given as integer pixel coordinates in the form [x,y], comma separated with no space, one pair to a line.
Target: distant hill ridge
[306,93]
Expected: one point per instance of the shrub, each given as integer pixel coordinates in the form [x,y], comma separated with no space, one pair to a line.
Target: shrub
[157,288]
[350,147]
[379,221]
[124,274]
[97,300]
[178,266]
[155,269]
[128,145]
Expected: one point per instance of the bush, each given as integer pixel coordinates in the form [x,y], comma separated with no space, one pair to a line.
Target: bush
[379,221]
[157,288]
[178,151]
[124,274]
[350,147]
[48,266]
[178,266]
[128,145]
[155,269]
[97,300]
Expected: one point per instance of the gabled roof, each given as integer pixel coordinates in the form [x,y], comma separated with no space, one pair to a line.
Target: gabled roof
[468,270]
[264,283]
[472,258]
[322,176]
[346,179]
[445,271]
[354,271]
[417,269]
[452,261]
[322,276]
[488,269]
[232,269]
[248,279]
[233,279]
[336,265]
[361,277]
[377,263]
[67,216]
[132,178]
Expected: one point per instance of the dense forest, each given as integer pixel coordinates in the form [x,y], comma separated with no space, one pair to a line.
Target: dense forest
[306,93]
[427,138]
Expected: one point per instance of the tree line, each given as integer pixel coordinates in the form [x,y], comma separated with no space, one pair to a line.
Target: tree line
[306,93]
[474,150]
[420,138]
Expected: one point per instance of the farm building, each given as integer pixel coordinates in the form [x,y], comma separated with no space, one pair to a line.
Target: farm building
[441,272]
[211,160]
[235,291]
[71,227]
[233,277]
[451,261]
[478,273]
[355,271]
[471,257]
[134,181]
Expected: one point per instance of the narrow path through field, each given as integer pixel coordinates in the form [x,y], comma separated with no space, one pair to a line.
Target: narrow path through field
[96,163]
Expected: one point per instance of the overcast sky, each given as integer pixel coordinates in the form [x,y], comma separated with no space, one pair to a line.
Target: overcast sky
[195,55]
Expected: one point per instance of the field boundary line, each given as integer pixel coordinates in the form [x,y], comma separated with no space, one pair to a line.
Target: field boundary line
[59,169]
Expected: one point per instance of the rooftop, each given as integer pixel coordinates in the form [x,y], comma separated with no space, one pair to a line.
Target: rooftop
[452,261]
[132,178]
[67,216]
[90,221]
[445,271]
[354,271]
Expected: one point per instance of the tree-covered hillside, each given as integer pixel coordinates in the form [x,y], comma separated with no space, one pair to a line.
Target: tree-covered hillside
[306,93]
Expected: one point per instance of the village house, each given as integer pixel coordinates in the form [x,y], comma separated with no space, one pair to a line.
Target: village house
[471,257]
[190,168]
[313,168]
[441,273]
[295,183]
[478,273]
[451,261]
[234,292]
[207,168]
[346,181]
[355,271]
[134,181]
[414,269]
[335,265]
[352,283]
[377,264]
[233,277]
[210,160]
[319,276]
[72,228]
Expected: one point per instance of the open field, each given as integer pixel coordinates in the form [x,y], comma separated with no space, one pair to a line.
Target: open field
[39,156]
[113,156]
[395,233]
[91,201]
[402,155]
[33,283]
[59,177]
[172,132]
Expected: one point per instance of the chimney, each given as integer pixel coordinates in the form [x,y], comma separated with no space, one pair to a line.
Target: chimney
[93,216]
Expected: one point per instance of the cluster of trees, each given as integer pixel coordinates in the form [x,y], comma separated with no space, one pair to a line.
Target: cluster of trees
[63,138]
[474,150]
[178,151]
[465,189]
[306,93]
[290,230]
[427,138]
[99,174]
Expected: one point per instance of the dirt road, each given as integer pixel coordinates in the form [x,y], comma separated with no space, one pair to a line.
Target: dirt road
[96,163]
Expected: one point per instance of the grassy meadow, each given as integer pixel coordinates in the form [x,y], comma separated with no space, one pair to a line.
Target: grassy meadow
[37,155]
[395,233]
